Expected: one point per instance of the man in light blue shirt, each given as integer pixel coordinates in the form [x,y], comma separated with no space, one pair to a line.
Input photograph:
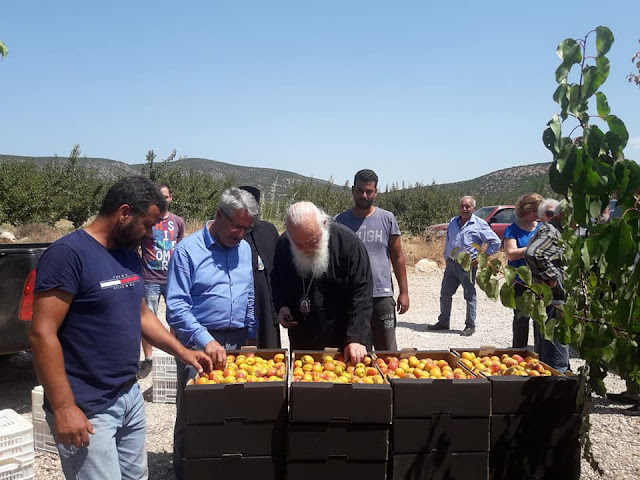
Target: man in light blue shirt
[210,296]
[463,231]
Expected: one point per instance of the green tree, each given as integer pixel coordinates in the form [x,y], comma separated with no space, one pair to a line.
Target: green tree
[634,77]
[601,317]
[24,193]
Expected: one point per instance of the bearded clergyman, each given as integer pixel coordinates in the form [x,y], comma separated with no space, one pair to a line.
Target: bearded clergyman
[322,284]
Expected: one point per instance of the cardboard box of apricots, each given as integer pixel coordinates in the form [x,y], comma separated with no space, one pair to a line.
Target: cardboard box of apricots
[240,410]
[364,398]
[521,384]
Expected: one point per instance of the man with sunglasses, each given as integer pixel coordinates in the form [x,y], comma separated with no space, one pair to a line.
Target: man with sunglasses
[210,292]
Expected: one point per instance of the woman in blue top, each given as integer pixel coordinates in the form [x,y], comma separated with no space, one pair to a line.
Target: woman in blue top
[516,237]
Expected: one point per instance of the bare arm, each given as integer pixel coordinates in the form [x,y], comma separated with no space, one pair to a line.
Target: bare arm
[400,271]
[49,311]
[512,250]
[157,335]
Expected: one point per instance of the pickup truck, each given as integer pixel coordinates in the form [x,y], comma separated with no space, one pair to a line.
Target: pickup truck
[499,217]
[17,278]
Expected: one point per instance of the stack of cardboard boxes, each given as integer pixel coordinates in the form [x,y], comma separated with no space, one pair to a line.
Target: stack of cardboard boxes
[235,430]
[440,426]
[337,430]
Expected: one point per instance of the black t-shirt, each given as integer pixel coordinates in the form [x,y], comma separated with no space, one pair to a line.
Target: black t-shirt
[100,335]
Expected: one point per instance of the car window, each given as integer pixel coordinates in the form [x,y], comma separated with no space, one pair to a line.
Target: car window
[506,215]
[483,212]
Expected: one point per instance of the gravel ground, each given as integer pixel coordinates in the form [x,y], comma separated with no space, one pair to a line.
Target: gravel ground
[615,434]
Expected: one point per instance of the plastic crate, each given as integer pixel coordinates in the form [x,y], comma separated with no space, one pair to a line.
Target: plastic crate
[164,366]
[16,438]
[16,470]
[164,391]
[42,437]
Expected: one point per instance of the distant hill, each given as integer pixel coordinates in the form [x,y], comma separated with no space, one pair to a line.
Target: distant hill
[504,186]
[273,183]
[501,186]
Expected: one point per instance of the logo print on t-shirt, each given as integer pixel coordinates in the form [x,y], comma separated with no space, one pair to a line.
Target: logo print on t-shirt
[121,282]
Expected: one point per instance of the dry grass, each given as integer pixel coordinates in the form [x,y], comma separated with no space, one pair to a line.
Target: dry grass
[40,233]
[416,248]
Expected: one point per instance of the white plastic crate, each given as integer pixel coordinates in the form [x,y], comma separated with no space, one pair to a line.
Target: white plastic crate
[16,470]
[164,391]
[164,377]
[42,436]
[164,365]
[16,438]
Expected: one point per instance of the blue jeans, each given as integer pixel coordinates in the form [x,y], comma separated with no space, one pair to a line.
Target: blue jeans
[553,353]
[454,276]
[117,449]
[153,291]
[230,340]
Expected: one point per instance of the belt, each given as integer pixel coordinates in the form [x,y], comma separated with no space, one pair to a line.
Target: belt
[128,384]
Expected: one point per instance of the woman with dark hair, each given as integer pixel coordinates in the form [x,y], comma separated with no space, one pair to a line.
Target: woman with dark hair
[516,237]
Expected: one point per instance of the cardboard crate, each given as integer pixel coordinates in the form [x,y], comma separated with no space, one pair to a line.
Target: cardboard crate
[530,395]
[235,437]
[440,432]
[529,463]
[338,402]
[336,469]
[16,438]
[320,441]
[42,437]
[550,431]
[251,402]
[11,469]
[423,398]
[164,391]
[234,466]
[441,465]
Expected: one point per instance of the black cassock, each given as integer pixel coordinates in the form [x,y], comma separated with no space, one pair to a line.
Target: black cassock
[263,239]
[340,301]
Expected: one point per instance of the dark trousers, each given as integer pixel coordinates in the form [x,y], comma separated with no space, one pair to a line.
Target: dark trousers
[383,324]
[520,321]
[230,340]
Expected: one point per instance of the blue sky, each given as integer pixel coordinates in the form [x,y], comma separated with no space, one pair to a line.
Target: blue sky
[416,90]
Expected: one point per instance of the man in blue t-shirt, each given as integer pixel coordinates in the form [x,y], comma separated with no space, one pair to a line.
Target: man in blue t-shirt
[378,230]
[89,316]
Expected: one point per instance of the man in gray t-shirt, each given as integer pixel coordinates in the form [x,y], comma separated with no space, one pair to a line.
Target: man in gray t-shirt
[378,230]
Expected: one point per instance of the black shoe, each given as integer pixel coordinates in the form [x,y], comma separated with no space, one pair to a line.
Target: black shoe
[468,331]
[144,368]
[437,326]
[624,397]
[634,410]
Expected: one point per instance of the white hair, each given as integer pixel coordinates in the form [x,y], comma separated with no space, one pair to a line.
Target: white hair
[468,196]
[300,212]
[547,204]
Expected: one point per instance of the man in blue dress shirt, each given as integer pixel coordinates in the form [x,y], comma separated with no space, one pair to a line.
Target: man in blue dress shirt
[463,231]
[210,295]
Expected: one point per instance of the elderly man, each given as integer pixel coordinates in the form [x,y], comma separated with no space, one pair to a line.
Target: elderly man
[464,230]
[322,284]
[210,293]
[88,318]
[379,231]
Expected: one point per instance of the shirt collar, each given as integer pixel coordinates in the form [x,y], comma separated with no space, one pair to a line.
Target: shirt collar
[471,220]
[208,239]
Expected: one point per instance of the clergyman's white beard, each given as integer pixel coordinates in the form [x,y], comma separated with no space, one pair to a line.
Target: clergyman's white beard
[316,264]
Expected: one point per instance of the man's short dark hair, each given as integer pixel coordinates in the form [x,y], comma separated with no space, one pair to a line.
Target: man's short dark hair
[137,191]
[164,185]
[366,176]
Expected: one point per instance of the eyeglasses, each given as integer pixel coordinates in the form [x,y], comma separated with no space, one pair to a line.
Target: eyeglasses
[237,226]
